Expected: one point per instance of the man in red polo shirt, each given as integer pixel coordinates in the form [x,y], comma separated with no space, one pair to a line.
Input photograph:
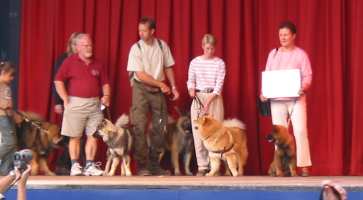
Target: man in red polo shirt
[86,88]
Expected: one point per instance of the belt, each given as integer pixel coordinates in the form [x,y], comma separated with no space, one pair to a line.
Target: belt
[205,90]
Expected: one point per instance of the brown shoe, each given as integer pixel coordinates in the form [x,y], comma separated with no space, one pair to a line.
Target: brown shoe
[305,172]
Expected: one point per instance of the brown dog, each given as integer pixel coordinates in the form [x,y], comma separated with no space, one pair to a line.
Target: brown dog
[119,141]
[227,141]
[284,163]
[40,136]
[179,141]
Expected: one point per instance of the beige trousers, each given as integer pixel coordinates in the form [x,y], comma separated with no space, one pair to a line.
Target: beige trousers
[216,110]
[280,111]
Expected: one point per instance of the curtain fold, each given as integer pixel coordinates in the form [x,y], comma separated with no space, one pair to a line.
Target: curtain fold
[330,31]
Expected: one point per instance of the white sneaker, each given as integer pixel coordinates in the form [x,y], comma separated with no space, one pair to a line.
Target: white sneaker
[93,169]
[76,169]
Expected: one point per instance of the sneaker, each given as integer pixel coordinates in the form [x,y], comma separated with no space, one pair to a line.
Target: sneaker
[76,169]
[93,169]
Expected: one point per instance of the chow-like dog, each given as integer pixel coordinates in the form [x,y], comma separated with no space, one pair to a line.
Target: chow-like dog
[40,136]
[119,141]
[224,141]
[284,162]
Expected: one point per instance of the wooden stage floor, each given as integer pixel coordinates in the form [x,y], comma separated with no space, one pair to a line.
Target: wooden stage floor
[252,182]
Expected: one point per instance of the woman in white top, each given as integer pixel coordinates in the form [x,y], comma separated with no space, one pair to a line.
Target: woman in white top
[205,82]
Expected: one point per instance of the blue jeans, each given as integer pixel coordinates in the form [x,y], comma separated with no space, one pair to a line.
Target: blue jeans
[7,144]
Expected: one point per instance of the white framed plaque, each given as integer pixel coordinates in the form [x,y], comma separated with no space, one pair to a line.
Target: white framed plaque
[281,83]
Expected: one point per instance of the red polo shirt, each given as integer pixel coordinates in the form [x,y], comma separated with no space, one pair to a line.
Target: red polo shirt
[82,80]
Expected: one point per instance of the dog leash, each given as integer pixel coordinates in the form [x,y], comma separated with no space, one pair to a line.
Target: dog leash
[108,112]
[290,113]
[200,105]
[32,122]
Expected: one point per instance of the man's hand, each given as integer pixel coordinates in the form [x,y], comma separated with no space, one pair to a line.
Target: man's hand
[106,100]
[65,102]
[58,108]
[175,94]
[24,176]
[164,88]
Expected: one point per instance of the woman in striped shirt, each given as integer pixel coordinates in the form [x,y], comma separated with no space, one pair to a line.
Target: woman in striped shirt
[205,82]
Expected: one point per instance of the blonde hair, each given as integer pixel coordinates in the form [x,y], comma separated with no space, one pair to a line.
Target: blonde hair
[72,42]
[209,39]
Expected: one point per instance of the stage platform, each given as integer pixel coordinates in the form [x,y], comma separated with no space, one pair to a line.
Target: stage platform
[183,187]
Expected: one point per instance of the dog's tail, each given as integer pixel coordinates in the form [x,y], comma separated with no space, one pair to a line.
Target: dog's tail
[122,121]
[234,123]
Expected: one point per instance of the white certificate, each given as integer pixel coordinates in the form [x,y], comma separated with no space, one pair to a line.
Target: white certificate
[281,83]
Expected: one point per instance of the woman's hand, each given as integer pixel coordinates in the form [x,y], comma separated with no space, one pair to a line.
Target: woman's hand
[210,99]
[191,92]
[263,98]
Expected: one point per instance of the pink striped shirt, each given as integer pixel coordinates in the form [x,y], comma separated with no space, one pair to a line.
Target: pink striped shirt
[206,73]
[294,59]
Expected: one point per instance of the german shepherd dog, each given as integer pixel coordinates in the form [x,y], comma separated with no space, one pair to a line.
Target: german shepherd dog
[40,136]
[179,141]
[284,162]
[119,141]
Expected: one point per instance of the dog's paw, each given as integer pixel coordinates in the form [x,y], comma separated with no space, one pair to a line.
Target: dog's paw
[188,173]
[210,174]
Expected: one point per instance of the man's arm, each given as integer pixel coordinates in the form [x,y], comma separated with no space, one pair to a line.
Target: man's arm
[106,91]
[146,78]
[170,75]
[61,90]
[5,183]
[22,184]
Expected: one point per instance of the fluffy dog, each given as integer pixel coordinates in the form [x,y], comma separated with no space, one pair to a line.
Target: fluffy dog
[179,141]
[224,141]
[284,162]
[119,141]
[40,136]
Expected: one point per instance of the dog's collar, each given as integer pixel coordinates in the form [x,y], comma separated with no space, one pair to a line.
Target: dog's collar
[225,150]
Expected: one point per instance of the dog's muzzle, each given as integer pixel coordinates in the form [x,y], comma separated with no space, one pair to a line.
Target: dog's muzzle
[270,138]
[97,134]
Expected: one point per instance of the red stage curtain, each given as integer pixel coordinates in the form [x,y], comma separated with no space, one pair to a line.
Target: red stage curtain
[331,32]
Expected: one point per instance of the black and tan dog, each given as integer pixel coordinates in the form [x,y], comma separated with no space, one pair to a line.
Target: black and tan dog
[40,136]
[284,162]
[119,141]
[179,141]
[225,140]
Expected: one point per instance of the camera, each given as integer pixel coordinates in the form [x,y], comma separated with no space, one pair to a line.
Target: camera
[22,158]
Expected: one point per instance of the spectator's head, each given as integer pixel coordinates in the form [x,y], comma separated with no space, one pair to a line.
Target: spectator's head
[7,72]
[332,191]
[208,45]
[84,45]
[146,28]
[71,44]
[287,34]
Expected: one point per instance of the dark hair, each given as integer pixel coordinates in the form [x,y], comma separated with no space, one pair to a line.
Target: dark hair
[289,25]
[6,67]
[149,21]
